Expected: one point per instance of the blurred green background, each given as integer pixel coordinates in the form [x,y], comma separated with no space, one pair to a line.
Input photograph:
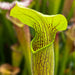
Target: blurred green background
[64,45]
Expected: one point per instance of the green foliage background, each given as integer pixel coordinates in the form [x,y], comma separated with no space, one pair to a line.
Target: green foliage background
[64,45]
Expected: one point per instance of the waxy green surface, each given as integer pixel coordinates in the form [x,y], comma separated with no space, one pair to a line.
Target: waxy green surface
[45,27]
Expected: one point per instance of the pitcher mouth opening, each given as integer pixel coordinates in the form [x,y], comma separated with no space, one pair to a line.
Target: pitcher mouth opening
[39,49]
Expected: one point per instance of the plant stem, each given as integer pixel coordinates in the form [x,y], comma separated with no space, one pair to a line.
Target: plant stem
[68,47]
[23,36]
[17,55]
[44,3]
[43,61]
[37,6]
[61,6]
[54,6]
[63,37]
[56,51]
[71,11]
[24,39]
